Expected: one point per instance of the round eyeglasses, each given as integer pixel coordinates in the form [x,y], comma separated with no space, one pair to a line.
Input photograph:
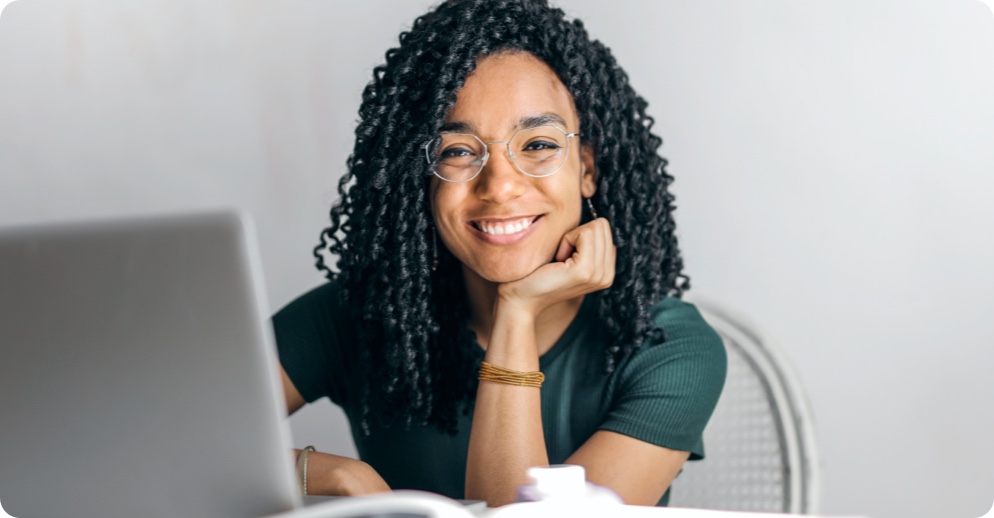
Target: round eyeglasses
[537,152]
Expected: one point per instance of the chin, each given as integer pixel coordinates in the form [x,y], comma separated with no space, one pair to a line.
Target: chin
[501,273]
[504,277]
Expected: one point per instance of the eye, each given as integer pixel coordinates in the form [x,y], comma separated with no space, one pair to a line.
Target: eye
[539,145]
[455,152]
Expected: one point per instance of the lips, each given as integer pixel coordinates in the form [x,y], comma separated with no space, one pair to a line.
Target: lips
[506,226]
[504,231]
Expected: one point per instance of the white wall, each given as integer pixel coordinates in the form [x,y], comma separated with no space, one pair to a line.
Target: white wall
[834,165]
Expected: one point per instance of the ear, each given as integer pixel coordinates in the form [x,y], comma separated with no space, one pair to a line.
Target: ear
[588,173]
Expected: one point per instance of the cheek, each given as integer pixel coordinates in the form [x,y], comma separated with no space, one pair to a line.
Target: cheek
[441,202]
[570,200]
[445,204]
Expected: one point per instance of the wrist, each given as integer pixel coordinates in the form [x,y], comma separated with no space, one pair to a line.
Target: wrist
[512,342]
[509,308]
[515,321]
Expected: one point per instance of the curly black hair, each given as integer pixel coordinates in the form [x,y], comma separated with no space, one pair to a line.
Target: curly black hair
[412,321]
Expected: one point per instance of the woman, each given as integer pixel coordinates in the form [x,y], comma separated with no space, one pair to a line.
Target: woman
[504,213]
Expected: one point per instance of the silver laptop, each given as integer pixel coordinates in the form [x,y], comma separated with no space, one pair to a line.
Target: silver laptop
[137,373]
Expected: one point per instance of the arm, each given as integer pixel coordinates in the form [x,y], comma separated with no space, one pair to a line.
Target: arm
[332,474]
[335,475]
[506,435]
[293,398]
[638,471]
[307,339]
[666,395]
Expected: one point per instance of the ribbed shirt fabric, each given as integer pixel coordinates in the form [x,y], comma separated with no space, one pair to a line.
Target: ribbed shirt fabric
[662,394]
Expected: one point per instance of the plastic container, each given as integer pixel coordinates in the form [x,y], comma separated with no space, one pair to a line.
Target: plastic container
[564,482]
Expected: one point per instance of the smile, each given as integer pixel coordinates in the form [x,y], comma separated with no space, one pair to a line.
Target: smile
[503,228]
[504,232]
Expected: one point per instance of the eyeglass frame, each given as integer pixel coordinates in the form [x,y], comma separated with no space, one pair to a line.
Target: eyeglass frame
[507,146]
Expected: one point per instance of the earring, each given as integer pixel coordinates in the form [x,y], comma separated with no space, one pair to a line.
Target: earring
[593,212]
[434,249]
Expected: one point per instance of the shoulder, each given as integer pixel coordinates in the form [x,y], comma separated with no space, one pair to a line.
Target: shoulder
[690,351]
[682,321]
[326,296]
[320,307]
[317,318]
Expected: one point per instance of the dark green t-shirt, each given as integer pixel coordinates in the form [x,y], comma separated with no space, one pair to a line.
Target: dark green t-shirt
[662,394]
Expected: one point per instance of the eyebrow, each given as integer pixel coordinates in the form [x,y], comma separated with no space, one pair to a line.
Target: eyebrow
[524,123]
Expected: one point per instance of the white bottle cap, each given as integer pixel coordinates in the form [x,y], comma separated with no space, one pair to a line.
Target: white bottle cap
[559,480]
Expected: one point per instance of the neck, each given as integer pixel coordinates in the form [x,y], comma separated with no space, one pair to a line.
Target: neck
[482,296]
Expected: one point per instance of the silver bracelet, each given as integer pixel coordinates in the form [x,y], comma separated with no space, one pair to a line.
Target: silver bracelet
[302,468]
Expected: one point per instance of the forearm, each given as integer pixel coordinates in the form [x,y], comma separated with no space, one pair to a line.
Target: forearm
[506,436]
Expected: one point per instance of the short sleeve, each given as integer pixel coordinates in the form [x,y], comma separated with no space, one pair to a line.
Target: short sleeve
[308,334]
[665,393]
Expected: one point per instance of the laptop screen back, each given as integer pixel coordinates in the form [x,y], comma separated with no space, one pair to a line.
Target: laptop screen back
[137,376]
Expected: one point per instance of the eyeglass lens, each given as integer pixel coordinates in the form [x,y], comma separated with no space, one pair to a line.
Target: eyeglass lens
[538,151]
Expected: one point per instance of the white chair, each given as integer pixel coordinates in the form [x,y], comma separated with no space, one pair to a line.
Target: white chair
[760,452]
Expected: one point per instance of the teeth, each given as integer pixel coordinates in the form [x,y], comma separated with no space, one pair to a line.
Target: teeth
[505,229]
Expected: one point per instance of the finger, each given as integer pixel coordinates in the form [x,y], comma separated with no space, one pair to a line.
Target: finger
[608,252]
[610,265]
[568,244]
[607,232]
[588,252]
[565,250]
[596,251]
[603,238]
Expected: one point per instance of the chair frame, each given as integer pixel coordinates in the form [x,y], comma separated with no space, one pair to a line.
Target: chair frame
[792,413]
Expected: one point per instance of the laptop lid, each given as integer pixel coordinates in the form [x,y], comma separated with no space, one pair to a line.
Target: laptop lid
[137,372]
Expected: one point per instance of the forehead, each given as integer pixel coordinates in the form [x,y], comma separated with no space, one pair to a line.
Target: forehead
[505,91]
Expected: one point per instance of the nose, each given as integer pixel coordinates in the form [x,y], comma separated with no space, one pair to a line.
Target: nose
[500,181]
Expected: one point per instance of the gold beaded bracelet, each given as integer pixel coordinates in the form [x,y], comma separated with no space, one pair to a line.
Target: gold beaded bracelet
[496,374]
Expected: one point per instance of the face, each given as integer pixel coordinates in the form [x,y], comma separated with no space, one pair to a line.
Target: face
[499,98]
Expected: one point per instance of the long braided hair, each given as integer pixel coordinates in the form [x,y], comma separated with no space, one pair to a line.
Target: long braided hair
[411,321]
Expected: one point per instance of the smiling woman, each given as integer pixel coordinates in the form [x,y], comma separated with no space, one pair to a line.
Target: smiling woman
[478,220]
[506,293]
